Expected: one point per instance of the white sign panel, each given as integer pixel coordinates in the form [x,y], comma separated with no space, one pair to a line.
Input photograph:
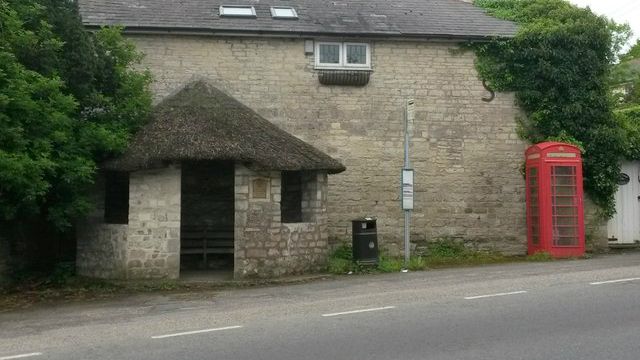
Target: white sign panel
[411,110]
[407,189]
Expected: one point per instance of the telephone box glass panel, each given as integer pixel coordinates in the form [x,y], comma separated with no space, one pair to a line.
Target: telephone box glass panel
[534,211]
[564,205]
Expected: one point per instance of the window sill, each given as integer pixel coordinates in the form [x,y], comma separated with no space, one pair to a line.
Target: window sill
[338,67]
[300,226]
[346,77]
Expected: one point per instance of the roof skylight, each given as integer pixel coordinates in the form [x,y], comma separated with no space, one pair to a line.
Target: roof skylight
[237,10]
[283,12]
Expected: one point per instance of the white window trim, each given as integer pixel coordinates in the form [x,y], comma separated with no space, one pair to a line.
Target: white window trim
[328,65]
[293,10]
[366,65]
[253,10]
[342,56]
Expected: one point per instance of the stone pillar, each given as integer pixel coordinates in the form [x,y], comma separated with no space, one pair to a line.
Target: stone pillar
[153,246]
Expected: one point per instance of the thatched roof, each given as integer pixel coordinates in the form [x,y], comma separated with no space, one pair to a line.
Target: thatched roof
[200,122]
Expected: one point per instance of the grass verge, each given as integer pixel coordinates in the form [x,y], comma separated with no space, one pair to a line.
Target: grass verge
[441,254]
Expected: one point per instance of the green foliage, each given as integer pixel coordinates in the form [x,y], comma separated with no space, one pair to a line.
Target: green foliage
[68,98]
[62,273]
[417,263]
[633,53]
[540,256]
[389,264]
[558,65]
[441,253]
[446,248]
[625,80]
[339,266]
[629,119]
[625,86]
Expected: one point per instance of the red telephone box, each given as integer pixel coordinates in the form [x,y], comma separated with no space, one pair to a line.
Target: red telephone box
[555,213]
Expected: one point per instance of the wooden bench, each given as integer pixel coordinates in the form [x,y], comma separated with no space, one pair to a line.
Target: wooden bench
[199,240]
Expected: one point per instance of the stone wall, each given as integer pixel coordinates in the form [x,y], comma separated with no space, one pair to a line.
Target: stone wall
[153,247]
[264,246]
[101,248]
[595,228]
[465,152]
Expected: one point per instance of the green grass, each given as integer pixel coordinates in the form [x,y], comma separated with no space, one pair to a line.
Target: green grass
[441,253]
[540,256]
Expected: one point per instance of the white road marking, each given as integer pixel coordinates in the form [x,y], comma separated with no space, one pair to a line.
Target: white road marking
[20,356]
[494,295]
[359,311]
[192,308]
[613,281]
[194,332]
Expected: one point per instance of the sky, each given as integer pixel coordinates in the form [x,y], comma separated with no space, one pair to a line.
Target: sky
[621,11]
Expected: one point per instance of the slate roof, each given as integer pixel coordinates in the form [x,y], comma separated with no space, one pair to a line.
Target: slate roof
[404,18]
[201,122]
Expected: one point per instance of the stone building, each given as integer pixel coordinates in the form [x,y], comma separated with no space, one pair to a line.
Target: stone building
[337,74]
[208,183]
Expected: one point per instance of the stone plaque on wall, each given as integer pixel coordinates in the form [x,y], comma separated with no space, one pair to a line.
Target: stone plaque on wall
[260,188]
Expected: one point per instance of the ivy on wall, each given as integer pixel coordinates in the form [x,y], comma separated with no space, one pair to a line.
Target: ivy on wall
[558,66]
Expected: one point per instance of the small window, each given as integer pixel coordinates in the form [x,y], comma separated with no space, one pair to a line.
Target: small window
[237,10]
[116,198]
[356,54]
[343,55]
[329,54]
[283,12]
[291,197]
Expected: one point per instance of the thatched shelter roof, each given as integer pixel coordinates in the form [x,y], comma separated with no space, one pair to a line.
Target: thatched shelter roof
[200,122]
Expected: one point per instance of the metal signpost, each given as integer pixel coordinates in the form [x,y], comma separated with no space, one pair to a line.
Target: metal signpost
[407,181]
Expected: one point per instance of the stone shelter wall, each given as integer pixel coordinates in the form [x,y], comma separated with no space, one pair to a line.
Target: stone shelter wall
[266,247]
[465,152]
[149,245]
[101,248]
[153,247]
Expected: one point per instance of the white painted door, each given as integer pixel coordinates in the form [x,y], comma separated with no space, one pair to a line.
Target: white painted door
[624,227]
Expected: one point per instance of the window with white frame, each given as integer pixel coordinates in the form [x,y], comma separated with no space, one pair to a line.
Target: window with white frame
[237,10]
[283,12]
[347,55]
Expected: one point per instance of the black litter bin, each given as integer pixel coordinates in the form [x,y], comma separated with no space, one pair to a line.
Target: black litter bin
[365,241]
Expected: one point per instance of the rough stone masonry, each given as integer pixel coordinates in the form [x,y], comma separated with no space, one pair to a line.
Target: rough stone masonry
[466,152]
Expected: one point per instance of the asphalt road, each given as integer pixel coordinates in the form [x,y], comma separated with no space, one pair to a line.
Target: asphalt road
[587,309]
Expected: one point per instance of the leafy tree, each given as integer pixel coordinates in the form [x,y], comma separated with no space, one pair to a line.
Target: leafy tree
[625,78]
[625,84]
[633,53]
[629,119]
[558,65]
[68,99]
